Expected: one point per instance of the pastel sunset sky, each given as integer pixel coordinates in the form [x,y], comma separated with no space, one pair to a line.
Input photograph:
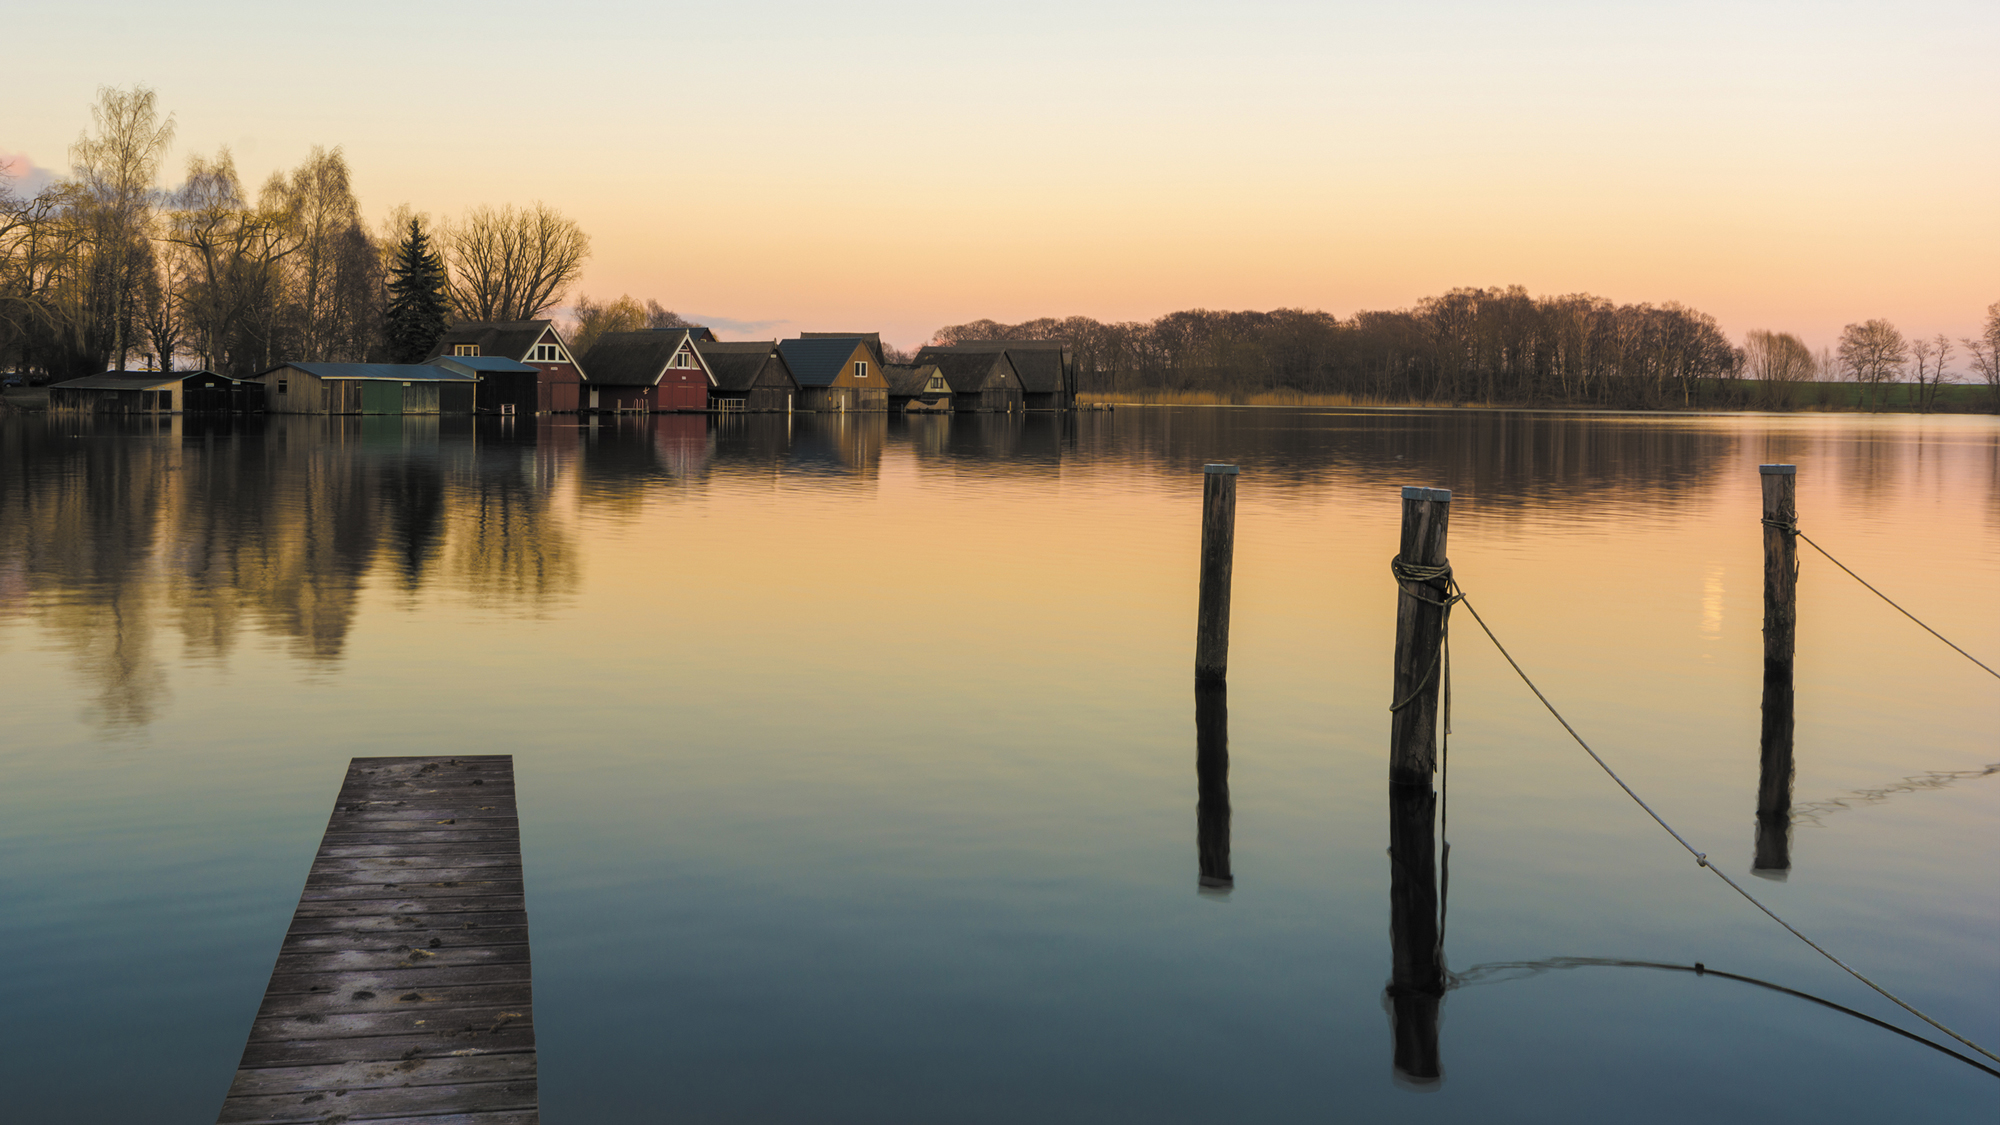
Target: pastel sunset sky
[770,166]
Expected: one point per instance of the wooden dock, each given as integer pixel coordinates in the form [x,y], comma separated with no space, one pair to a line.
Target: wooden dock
[401,994]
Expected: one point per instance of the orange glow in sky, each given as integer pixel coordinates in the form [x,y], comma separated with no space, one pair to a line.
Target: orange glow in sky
[777,166]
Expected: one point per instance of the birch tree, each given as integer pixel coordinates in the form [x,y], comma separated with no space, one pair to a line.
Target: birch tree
[116,170]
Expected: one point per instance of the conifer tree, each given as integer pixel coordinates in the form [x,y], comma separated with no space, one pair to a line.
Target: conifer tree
[415,316]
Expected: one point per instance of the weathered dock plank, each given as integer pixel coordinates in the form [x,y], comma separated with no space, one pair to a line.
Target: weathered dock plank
[401,994]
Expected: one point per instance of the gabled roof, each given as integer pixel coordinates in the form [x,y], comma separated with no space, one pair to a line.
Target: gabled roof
[639,359]
[700,333]
[735,366]
[816,361]
[132,380]
[971,372]
[874,340]
[1039,363]
[482,364]
[912,378]
[508,339]
[401,372]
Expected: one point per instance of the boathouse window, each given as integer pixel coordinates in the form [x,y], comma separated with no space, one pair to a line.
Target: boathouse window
[547,353]
[281,386]
[465,349]
[860,369]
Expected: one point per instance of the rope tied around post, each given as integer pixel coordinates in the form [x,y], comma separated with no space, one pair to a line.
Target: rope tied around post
[1414,579]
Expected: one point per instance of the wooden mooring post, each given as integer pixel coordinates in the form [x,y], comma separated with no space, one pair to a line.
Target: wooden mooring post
[1424,583]
[1417,980]
[1218,552]
[1781,620]
[1211,768]
[402,990]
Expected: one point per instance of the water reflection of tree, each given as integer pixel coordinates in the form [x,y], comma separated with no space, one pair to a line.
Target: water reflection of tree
[111,530]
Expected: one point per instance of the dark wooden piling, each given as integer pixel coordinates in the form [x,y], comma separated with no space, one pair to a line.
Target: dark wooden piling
[1211,769]
[1420,612]
[1218,552]
[1781,575]
[1416,974]
[402,989]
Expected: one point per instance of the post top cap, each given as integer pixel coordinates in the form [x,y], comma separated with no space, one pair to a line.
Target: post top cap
[1778,470]
[1411,492]
[1211,468]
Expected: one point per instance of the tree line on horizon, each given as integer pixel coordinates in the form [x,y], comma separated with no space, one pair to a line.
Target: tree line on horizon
[104,269]
[1497,345]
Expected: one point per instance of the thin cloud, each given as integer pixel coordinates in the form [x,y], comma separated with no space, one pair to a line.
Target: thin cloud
[23,174]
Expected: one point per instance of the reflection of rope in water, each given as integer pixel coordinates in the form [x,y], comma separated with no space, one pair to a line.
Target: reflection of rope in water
[1701,858]
[1812,812]
[1497,972]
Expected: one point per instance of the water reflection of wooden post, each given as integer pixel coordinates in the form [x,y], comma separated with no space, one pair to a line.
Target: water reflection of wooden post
[1781,619]
[1211,770]
[1218,550]
[1416,981]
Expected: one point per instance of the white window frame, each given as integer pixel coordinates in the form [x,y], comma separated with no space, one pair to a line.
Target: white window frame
[860,369]
[465,350]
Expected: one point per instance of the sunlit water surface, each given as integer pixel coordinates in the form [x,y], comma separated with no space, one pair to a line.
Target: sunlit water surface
[857,756]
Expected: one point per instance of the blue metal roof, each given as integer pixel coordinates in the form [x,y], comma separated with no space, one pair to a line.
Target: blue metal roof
[400,372]
[480,363]
[818,361]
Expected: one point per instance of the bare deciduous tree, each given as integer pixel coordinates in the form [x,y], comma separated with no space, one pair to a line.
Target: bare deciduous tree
[1777,361]
[1930,365]
[1985,351]
[512,263]
[659,316]
[1871,353]
[116,170]
[595,318]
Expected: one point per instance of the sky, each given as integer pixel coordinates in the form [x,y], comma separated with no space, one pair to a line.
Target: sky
[770,166]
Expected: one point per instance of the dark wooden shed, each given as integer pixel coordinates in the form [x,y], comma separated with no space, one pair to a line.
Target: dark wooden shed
[560,382]
[154,392]
[981,382]
[1046,368]
[918,387]
[505,387]
[368,388]
[836,373]
[748,376]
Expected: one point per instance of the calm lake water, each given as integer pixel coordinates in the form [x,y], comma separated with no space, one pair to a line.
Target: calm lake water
[857,756]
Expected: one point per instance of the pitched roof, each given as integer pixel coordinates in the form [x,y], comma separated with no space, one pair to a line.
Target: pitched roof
[735,366]
[1038,362]
[130,380]
[874,340]
[911,378]
[401,372]
[637,359]
[971,372]
[508,339]
[816,361]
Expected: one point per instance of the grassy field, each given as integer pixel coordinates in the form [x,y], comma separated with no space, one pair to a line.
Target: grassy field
[1954,398]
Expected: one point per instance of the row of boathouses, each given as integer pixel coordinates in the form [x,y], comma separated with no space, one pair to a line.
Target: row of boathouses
[525,367]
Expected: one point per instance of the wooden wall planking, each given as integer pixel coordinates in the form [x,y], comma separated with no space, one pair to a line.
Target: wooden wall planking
[402,991]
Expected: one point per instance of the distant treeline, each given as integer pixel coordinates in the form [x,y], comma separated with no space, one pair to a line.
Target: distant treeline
[1491,346]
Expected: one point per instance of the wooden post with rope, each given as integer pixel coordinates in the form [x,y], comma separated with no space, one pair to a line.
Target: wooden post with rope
[1424,581]
[1211,766]
[1781,620]
[1416,935]
[1218,552]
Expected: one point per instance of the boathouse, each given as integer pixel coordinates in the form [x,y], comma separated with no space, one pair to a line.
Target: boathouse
[981,382]
[748,376]
[917,387]
[155,392]
[368,388]
[1046,368]
[650,370]
[505,386]
[560,382]
[836,373]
